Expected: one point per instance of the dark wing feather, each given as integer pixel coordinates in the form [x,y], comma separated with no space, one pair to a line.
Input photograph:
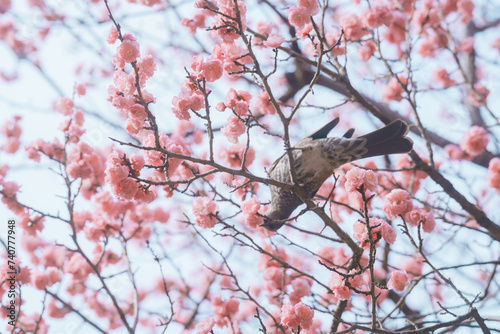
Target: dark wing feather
[323,132]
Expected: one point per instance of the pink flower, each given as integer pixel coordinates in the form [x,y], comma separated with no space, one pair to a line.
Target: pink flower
[235,153]
[39,280]
[494,173]
[398,281]
[483,93]
[353,29]
[311,6]
[293,316]
[357,177]
[212,69]
[274,41]
[428,222]
[454,152]
[393,90]
[65,106]
[340,290]
[397,202]
[129,49]
[233,129]
[263,104]
[474,141]
[301,288]
[126,189]
[205,211]
[413,217]
[298,16]
[367,50]
[80,89]
[251,206]
[440,75]
[113,35]
[205,327]
[388,233]
[465,7]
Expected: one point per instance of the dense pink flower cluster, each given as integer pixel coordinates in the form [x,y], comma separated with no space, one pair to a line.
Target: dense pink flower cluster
[494,173]
[417,216]
[398,281]
[235,153]
[87,163]
[234,128]
[210,69]
[357,177]
[227,30]
[353,28]
[263,103]
[293,316]
[205,211]
[188,99]
[379,229]
[156,158]
[397,202]
[301,287]
[299,16]
[338,285]
[12,132]
[238,102]
[250,208]
[474,141]
[224,310]
[120,173]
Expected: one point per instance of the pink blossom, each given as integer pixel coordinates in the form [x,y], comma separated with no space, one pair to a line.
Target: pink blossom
[353,29]
[113,35]
[80,89]
[205,211]
[235,153]
[440,75]
[428,222]
[65,106]
[147,67]
[398,281]
[465,8]
[340,290]
[357,177]
[366,50]
[251,206]
[388,233]
[413,217]
[298,16]
[205,327]
[301,288]
[312,6]
[393,90]
[198,21]
[479,96]
[39,280]
[376,16]
[126,189]
[454,152]
[474,141]
[494,173]
[233,129]
[220,106]
[264,104]
[293,316]
[129,50]
[212,69]
[274,41]
[397,202]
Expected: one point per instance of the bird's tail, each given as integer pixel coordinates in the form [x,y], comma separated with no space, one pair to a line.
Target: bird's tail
[390,139]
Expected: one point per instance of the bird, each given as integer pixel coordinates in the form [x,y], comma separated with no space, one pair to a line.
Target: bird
[316,157]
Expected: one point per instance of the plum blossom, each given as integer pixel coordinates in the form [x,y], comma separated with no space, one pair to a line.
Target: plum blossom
[397,202]
[274,41]
[233,129]
[494,173]
[250,208]
[129,48]
[398,280]
[357,177]
[205,327]
[474,141]
[205,211]
[293,316]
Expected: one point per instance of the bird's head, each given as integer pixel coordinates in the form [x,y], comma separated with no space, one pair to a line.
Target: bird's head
[272,220]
